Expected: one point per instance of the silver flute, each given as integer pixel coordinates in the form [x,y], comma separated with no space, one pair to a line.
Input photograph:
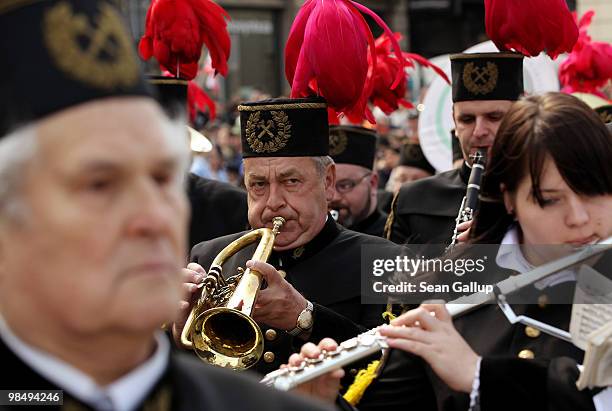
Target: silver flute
[347,352]
[371,341]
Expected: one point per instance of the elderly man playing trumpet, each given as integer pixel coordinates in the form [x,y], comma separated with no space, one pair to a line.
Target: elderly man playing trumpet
[313,275]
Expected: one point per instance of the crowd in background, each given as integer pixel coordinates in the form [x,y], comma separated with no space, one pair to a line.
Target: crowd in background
[224,162]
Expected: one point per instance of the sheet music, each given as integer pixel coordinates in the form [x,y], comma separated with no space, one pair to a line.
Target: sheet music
[597,370]
[592,305]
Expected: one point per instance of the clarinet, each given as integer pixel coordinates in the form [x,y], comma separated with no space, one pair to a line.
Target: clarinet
[470,201]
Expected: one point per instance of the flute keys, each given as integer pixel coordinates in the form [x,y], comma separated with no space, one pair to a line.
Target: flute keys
[367,339]
[313,361]
[334,353]
[350,344]
[295,370]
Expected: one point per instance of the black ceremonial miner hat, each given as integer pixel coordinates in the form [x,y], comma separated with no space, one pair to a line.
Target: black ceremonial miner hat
[60,53]
[284,128]
[352,145]
[412,156]
[487,76]
[171,94]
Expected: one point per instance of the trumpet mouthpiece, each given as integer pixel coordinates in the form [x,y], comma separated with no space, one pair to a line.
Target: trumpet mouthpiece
[278,223]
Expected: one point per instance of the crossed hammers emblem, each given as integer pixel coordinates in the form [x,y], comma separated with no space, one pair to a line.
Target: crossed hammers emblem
[265,128]
[480,74]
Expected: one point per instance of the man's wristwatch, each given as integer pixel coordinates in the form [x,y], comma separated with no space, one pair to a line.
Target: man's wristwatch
[304,321]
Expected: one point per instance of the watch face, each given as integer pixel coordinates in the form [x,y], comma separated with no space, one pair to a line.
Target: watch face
[305,320]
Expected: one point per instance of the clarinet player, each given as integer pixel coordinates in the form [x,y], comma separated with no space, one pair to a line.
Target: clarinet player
[425,212]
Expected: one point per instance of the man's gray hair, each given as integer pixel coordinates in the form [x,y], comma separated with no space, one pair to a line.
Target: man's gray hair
[16,150]
[321,164]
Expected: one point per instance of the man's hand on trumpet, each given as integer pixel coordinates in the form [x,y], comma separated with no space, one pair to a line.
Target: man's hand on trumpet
[428,332]
[279,304]
[325,387]
[192,276]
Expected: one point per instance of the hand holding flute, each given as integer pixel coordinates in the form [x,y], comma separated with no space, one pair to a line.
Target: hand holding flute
[325,387]
[427,332]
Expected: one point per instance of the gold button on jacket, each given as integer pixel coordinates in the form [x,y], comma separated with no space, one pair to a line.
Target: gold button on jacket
[271,334]
[532,332]
[268,356]
[543,301]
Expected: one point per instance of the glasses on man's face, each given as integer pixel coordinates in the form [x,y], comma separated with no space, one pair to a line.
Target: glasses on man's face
[347,185]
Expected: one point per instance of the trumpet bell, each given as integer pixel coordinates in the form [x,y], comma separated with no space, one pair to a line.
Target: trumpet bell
[219,327]
[227,338]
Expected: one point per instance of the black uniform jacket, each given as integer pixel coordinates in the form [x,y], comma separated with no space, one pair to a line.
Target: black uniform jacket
[385,198]
[522,368]
[216,209]
[536,384]
[424,211]
[327,272]
[186,385]
[373,225]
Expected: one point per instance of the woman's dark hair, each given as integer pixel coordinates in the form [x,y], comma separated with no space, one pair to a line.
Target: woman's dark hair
[556,125]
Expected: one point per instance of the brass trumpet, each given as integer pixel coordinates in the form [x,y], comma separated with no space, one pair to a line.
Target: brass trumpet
[219,328]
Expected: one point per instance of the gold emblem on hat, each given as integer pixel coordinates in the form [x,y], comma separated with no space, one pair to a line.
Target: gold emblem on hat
[606,116]
[98,55]
[268,135]
[337,142]
[480,80]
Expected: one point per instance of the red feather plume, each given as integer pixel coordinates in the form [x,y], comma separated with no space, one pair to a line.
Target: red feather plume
[197,99]
[531,26]
[176,30]
[327,55]
[388,67]
[589,65]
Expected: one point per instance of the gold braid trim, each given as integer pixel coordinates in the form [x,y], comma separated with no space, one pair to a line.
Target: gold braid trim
[494,55]
[8,5]
[292,106]
[391,218]
[388,315]
[168,81]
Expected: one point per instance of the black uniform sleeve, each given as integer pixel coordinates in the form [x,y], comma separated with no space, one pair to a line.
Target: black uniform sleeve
[328,323]
[403,385]
[514,383]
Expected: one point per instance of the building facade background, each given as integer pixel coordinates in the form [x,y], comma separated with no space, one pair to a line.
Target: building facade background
[601,27]
[259,29]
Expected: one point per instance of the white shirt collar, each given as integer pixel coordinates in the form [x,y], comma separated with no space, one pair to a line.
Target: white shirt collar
[511,257]
[124,394]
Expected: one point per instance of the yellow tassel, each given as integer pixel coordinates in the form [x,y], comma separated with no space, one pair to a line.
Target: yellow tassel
[388,315]
[363,379]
